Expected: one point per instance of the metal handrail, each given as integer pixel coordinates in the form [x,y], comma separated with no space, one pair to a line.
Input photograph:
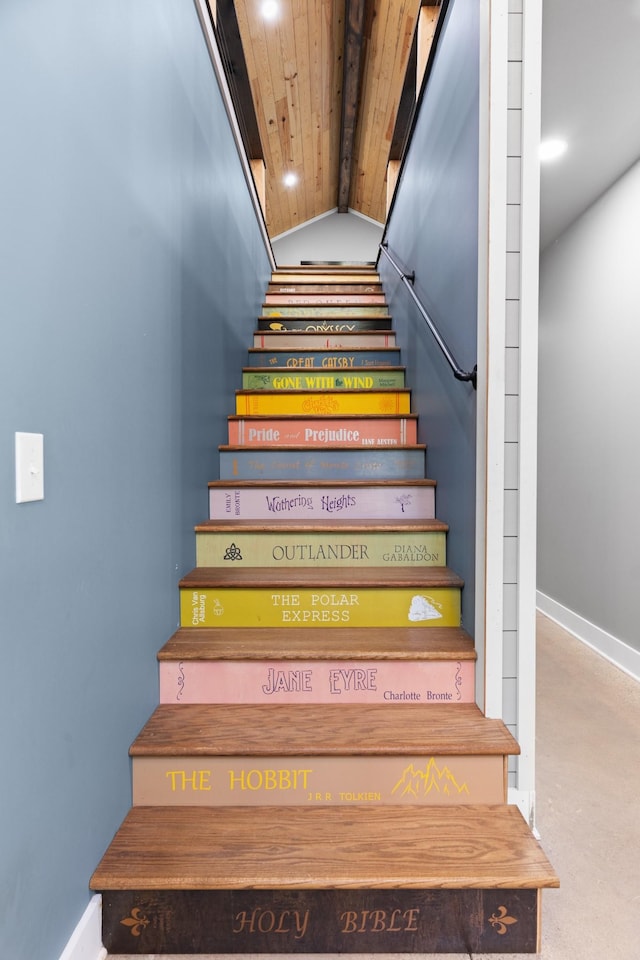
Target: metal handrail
[409,279]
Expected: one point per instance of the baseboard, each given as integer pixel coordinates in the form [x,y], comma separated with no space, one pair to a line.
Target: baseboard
[86,940]
[525,800]
[608,646]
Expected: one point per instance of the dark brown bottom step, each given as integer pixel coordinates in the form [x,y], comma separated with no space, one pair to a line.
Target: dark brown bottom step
[321,921]
[323,880]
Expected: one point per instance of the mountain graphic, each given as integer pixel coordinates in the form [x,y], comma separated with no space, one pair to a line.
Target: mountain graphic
[420,783]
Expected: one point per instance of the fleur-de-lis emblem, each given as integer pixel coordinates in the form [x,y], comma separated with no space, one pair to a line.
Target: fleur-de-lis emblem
[136,922]
[500,920]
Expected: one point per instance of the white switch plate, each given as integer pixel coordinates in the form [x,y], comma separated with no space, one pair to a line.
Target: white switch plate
[29,467]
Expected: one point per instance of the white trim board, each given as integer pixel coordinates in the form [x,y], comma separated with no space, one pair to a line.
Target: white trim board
[611,648]
[86,940]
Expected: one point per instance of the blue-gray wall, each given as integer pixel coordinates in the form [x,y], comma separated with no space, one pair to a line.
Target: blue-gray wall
[131,270]
[433,229]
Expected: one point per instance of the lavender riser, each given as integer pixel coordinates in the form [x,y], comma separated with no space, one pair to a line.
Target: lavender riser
[346,502]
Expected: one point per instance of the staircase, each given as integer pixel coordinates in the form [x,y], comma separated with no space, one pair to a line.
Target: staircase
[317,777]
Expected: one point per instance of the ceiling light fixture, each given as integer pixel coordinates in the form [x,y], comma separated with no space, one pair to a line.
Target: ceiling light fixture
[552,149]
[270,9]
[290,179]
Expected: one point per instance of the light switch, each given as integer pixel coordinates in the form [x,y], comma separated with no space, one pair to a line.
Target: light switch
[29,467]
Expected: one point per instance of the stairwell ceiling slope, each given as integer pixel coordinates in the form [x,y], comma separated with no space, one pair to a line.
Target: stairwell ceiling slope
[332,106]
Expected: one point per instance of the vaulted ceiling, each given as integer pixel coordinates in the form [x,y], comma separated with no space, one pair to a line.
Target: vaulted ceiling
[331,85]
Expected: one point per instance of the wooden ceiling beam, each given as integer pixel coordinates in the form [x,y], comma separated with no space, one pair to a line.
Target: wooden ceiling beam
[353,43]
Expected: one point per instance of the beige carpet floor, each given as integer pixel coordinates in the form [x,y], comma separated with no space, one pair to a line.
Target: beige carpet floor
[588,816]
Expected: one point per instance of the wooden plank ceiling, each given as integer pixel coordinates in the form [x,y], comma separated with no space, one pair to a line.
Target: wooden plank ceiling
[316,119]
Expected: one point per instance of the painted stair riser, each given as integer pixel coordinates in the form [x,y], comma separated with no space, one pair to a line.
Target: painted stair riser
[322,607]
[325,299]
[384,502]
[320,310]
[315,432]
[270,403]
[302,781]
[320,549]
[323,323]
[358,277]
[321,921]
[379,463]
[311,681]
[322,288]
[339,360]
[322,380]
[340,340]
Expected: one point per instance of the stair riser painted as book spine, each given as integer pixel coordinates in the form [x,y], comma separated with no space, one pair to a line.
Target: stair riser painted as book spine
[346,463]
[322,380]
[268,403]
[327,549]
[324,299]
[308,276]
[339,340]
[322,288]
[321,921]
[357,607]
[325,311]
[327,681]
[330,781]
[388,502]
[323,324]
[356,432]
[340,360]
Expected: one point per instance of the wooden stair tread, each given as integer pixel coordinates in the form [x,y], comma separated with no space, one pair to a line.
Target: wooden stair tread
[384,319]
[477,847]
[323,299]
[281,393]
[341,643]
[348,334]
[321,577]
[309,286]
[304,350]
[325,371]
[325,484]
[340,729]
[330,523]
[325,416]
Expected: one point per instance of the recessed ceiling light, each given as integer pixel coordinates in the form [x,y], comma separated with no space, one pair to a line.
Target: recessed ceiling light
[552,149]
[270,9]
[290,179]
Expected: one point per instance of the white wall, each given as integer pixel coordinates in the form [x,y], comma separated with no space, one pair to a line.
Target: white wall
[589,423]
[337,236]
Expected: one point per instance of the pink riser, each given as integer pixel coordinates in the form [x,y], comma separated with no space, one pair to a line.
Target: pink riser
[349,433]
[340,681]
